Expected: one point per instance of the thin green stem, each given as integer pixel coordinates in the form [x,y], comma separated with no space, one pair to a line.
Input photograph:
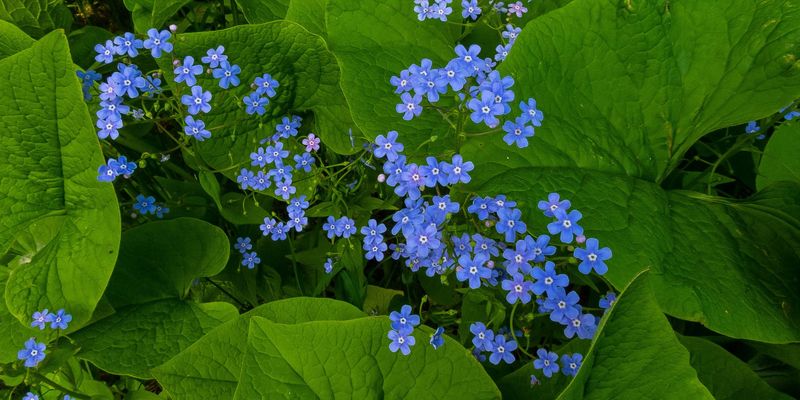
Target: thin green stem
[60,388]
[511,326]
[294,266]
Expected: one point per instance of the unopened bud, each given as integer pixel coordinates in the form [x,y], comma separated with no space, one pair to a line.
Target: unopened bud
[381,178]
[580,238]
[173,28]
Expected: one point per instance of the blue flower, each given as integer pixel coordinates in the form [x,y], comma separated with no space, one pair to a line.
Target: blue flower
[412,181]
[510,223]
[227,74]
[303,161]
[157,42]
[480,207]
[278,232]
[404,321]
[33,353]
[607,301]
[30,396]
[422,241]
[517,132]
[128,44]
[470,59]
[518,289]
[105,53]
[109,127]
[245,178]
[458,170]
[472,270]
[502,52]
[373,231]
[145,205]
[485,246]
[60,320]
[443,205]
[461,245]
[288,127]
[552,204]
[566,224]
[255,104]
[502,350]
[511,33]
[112,108]
[592,257]
[563,304]
[752,127]
[547,362]
[441,10]
[400,342]
[571,364]
[297,220]
[517,259]
[483,338]
[127,81]
[375,251]
[297,204]
[394,170]
[409,106]
[548,280]
[471,9]
[152,86]
[534,381]
[332,227]
[267,226]
[186,72]
[266,85]
[423,10]
[243,244]
[401,83]
[406,220]
[250,260]
[285,190]
[161,210]
[40,318]
[485,109]
[215,56]
[197,101]
[275,154]
[583,325]
[530,113]
[328,266]
[348,226]
[116,167]
[436,338]
[261,181]
[387,146]
[540,247]
[196,129]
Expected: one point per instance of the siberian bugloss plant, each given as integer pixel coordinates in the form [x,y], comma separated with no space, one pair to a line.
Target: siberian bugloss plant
[327,198]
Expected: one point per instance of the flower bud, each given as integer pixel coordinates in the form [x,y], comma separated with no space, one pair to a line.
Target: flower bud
[580,238]
[381,178]
[173,28]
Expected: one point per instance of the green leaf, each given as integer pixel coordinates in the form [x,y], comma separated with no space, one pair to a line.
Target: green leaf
[142,336]
[377,299]
[388,40]
[210,368]
[13,333]
[148,14]
[160,260]
[619,115]
[82,42]
[780,161]
[310,14]
[49,155]
[12,39]
[259,11]
[36,17]
[635,354]
[725,376]
[319,360]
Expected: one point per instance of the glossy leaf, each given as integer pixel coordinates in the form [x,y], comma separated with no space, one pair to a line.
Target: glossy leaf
[780,161]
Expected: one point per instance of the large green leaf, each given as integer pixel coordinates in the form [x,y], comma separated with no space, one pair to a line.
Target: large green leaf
[148,14]
[258,11]
[308,77]
[142,336]
[374,41]
[36,17]
[210,368]
[164,257]
[13,334]
[621,112]
[49,155]
[780,161]
[351,359]
[12,39]
[635,354]
[726,376]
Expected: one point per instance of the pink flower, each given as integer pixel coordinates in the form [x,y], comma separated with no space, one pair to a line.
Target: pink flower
[311,142]
[517,8]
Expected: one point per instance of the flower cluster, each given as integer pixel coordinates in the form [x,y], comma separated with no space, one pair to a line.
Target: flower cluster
[499,346]
[440,9]
[483,92]
[145,205]
[249,259]
[34,352]
[403,324]
[547,361]
[297,220]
